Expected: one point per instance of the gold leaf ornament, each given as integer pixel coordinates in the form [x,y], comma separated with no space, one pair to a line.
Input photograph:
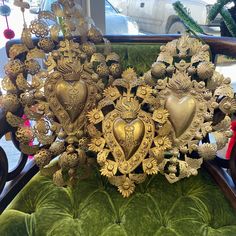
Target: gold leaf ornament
[111,93]
[16,50]
[128,132]
[10,102]
[97,144]
[95,116]
[14,120]
[59,96]
[126,188]
[102,156]
[109,168]
[8,85]
[163,143]
[26,38]
[150,166]
[160,115]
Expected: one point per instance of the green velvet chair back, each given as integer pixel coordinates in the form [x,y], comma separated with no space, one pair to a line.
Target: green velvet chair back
[140,56]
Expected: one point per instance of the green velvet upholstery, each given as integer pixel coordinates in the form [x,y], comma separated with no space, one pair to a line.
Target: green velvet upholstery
[193,206]
[140,56]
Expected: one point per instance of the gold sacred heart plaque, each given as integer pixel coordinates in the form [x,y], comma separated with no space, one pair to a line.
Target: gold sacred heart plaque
[189,106]
[182,111]
[72,96]
[129,141]
[126,136]
[70,99]
[129,135]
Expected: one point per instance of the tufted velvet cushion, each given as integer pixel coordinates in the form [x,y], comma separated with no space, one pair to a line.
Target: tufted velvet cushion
[193,206]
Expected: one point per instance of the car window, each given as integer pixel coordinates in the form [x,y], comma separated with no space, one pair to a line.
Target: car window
[46,5]
[109,9]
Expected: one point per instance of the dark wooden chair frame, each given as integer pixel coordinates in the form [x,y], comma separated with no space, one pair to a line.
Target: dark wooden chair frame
[24,171]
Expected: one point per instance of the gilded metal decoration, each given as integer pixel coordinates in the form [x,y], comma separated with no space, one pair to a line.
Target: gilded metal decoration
[79,100]
[16,50]
[193,93]
[38,28]
[26,38]
[56,84]
[128,133]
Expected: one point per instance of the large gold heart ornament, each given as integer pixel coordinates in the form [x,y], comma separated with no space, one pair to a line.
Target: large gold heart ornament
[181,111]
[189,105]
[72,97]
[70,100]
[129,135]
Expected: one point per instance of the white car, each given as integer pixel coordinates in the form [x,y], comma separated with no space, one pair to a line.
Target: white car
[116,23]
[159,16]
